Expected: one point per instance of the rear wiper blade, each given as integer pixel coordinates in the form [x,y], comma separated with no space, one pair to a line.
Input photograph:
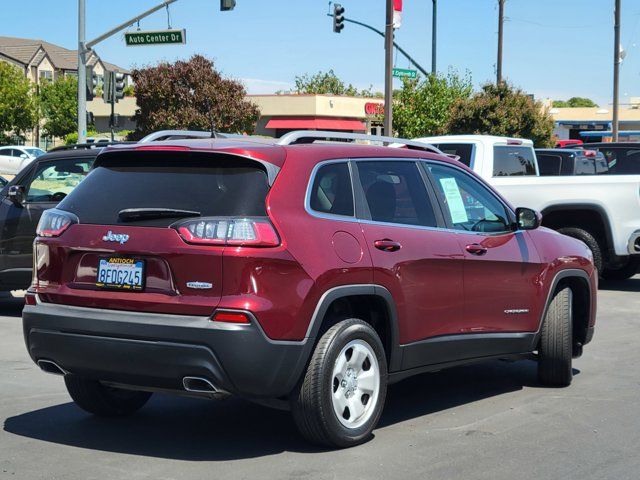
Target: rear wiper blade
[130,214]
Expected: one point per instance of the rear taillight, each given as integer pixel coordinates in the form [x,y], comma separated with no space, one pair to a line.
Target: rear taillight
[250,232]
[54,222]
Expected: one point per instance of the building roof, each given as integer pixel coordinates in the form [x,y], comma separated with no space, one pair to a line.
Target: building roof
[29,51]
[593,114]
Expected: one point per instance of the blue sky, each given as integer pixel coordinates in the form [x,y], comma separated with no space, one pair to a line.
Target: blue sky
[553,48]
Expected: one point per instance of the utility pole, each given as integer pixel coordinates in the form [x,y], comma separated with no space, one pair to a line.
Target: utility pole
[434,38]
[82,75]
[388,66]
[616,69]
[500,34]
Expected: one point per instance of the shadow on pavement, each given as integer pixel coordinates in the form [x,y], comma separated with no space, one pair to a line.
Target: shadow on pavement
[200,430]
[630,285]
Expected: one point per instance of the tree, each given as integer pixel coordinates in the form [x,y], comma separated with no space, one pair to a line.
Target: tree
[574,102]
[17,103]
[502,110]
[59,106]
[328,83]
[422,107]
[190,95]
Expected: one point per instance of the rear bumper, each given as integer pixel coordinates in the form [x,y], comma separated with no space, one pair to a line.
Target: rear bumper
[158,351]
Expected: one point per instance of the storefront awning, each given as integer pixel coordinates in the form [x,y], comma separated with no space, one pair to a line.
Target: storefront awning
[313,123]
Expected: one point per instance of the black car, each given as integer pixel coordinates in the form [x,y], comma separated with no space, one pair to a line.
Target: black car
[38,187]
[623,158]
[564,161]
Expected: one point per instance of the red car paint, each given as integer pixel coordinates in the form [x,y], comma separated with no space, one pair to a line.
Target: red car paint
[438,286]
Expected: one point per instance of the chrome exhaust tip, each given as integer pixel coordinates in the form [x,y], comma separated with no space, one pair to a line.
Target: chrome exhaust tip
[49,366]
[199,385]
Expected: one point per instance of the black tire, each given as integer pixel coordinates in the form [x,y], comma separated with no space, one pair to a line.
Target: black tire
[591,242]
[103,401]
[626,271]
[555,351]
[312,404]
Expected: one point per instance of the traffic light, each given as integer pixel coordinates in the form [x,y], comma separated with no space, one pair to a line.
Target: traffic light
[92,83]
[226,5]
[107,87]
[338,17]
[118,86]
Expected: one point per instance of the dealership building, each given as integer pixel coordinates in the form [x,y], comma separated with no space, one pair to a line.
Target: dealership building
[595,124]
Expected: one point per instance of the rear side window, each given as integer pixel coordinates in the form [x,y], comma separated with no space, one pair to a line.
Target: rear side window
[395,193]
[212,185]
[331,191]
[511,161]
[585,166]
[462,150]
[549,164]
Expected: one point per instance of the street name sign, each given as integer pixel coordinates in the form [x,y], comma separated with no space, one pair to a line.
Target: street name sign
[404,73]
[155,37]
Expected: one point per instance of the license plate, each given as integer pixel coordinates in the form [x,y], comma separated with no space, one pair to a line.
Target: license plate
[121,273]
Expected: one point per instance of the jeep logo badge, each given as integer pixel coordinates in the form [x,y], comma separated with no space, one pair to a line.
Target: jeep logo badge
[121,238]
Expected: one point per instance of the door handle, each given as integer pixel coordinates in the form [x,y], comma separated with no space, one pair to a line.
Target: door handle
[387,245]
[476,249]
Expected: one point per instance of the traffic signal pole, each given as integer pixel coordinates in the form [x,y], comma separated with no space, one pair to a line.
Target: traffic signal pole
[85,47]
[388,66]
[82,75]
[382,34]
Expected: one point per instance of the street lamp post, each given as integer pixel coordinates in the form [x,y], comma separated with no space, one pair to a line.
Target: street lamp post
[388,66]
[434,38]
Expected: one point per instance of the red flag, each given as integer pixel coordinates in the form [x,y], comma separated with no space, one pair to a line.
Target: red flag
[397,14]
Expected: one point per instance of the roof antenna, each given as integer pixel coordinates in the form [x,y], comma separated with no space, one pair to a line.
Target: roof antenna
[212,122]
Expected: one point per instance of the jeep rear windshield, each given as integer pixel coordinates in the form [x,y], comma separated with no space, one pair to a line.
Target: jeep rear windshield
[175,184]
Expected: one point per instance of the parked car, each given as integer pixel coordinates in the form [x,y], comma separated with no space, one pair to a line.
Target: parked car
[15,158]
[559,161]
[623,158]
[600,210]
[41,185]
[305,276]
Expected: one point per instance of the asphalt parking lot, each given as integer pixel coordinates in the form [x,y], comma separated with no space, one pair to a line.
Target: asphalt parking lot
[489,421]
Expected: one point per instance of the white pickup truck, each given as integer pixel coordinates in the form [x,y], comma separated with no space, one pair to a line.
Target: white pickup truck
[601,210]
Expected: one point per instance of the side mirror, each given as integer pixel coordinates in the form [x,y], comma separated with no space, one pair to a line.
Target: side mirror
[16,194]
[24,155]
[527,219]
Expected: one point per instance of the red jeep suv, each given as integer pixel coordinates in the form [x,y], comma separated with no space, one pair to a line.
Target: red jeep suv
[307,275]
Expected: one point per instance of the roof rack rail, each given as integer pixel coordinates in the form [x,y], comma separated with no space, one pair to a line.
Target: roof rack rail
[308,136]
[177,135]
[84,146]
